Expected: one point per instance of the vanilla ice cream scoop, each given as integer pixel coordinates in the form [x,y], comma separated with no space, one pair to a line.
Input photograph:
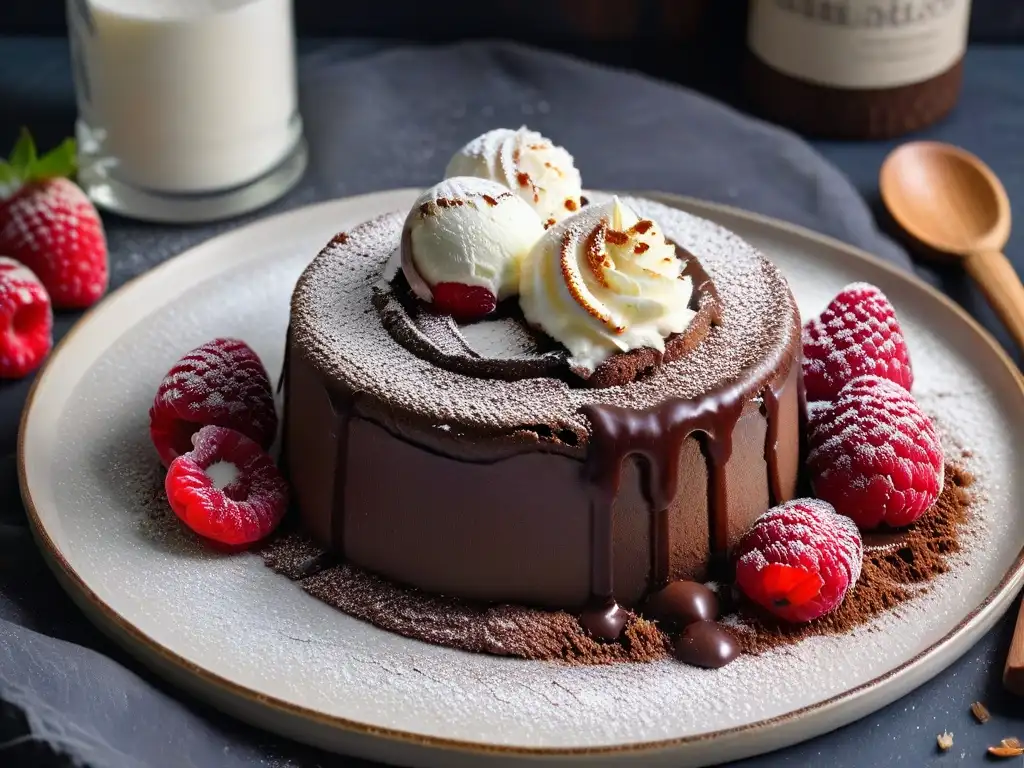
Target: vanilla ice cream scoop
[604,282]
[462,244]
[537,170]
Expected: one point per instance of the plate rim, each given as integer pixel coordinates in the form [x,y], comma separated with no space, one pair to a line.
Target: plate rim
[107,619]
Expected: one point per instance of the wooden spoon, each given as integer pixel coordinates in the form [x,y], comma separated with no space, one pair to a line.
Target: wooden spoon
[953,203]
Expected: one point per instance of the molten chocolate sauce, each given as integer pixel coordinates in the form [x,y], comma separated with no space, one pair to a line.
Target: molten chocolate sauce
[342,406]
[681,603]
[770,409]
[604,621]
[706,644]
[657,435]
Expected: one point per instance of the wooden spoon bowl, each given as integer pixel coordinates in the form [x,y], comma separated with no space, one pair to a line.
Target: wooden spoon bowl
[950,201]
[946,198]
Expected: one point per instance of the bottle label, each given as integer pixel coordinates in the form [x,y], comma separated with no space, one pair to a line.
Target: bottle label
[859,43]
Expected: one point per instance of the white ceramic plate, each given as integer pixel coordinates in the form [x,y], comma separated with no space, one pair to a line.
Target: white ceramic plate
[255,645]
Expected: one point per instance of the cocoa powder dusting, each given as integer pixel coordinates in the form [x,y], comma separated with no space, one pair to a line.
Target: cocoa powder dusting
[896,567]
[502,630]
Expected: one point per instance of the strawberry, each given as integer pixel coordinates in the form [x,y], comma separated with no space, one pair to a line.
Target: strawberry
[48,224]
[26,320]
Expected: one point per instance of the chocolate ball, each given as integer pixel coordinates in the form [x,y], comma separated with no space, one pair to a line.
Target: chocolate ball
[706,644]
[604,622]
[682,603]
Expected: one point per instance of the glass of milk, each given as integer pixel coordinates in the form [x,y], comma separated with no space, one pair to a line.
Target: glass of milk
[187,109]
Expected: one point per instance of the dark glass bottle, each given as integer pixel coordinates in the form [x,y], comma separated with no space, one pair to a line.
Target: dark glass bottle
[856,69]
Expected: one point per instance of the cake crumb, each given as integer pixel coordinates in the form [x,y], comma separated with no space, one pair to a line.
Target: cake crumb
[980,712]
[1007,748]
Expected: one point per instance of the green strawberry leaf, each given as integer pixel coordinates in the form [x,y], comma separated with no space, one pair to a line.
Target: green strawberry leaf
[56,163]
[9,180]
[24,153]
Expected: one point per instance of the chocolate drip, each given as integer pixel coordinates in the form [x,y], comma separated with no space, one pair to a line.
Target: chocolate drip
[770,409]
[660,550]
[282,381]
[604,620]
[706,644]
[657,435]
[717,447]
[342,406]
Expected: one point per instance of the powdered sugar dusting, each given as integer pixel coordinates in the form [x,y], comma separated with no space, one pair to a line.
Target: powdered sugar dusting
[334,322]
[222,474]
[460,189]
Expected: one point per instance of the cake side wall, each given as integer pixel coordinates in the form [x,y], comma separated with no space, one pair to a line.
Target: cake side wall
[311,445]
[514,530]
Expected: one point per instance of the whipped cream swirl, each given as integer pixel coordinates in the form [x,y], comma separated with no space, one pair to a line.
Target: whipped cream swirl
[604,282]
[537,170]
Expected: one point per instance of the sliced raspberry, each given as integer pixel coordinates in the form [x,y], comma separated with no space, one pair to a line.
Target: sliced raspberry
[799,559]
[463,302]
[874,455]
[226,488]
[26,320]
[857,334]
[222,383]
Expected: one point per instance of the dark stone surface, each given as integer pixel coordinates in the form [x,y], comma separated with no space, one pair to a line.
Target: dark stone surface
[66,691]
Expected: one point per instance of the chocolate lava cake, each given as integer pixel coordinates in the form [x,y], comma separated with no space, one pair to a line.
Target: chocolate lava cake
[475,460]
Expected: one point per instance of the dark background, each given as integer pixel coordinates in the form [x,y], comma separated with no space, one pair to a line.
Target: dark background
[696,42]
[530,20]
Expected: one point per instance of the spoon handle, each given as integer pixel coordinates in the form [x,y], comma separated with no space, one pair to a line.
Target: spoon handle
[998,280]
[1013,672]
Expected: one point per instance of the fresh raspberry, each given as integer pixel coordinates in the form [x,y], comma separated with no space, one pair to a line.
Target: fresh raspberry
[222,383]
[857,334]
[49,225]
[874,455]
[463,302]
[25,318]
[799,559]
[226,488]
